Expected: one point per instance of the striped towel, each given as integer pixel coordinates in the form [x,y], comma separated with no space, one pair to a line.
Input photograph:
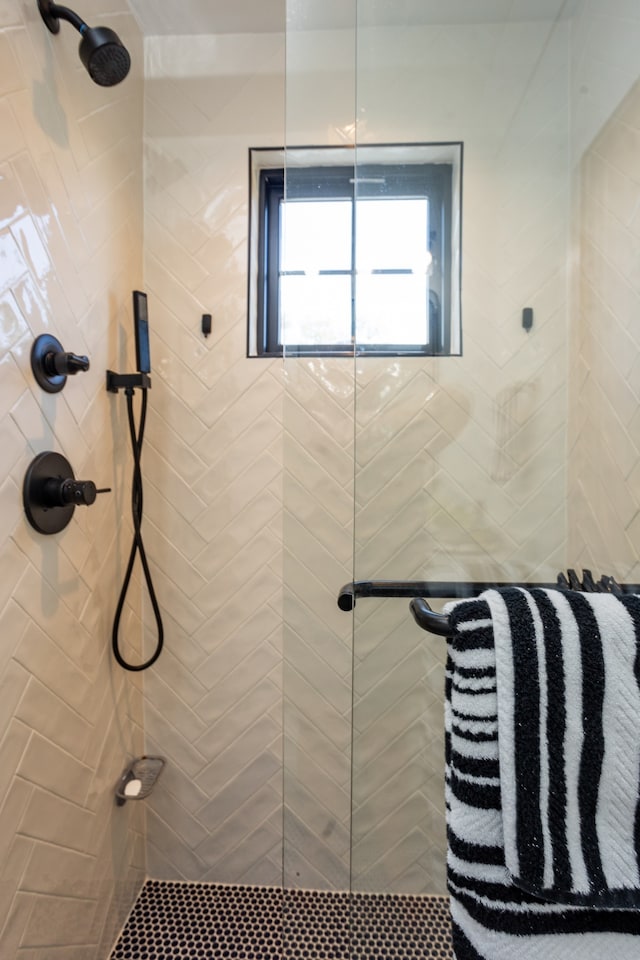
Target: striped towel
[543,775]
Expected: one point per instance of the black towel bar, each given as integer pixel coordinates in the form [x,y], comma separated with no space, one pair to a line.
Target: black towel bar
[428,619]
[417,588]
[438,623]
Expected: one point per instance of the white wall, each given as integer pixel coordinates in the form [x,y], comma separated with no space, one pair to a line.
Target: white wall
[214,512]
[604,65]
[70,254]
[604,439]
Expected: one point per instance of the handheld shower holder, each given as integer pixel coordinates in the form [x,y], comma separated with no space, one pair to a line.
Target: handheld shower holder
[127,381]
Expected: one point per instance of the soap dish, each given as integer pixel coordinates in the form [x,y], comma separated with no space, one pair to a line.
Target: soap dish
[139,779]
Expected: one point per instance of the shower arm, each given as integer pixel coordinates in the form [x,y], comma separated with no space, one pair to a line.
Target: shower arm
[53,12]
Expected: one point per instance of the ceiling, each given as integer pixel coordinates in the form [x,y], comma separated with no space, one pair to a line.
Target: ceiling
[196,17]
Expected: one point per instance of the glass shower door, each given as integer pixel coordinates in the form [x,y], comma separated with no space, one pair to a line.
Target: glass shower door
[460,466]
[433,456]
[318,459]
[506,450]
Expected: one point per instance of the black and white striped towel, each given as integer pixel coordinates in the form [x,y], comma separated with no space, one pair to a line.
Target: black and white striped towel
[543,776]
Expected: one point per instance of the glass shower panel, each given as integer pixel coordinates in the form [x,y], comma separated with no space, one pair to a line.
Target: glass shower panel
[604,443]
[315,285]
[460,468]
[490,456]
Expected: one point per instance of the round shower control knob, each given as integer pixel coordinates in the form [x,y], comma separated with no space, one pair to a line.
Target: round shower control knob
[80,492]
[51,365]
[63,364]
[51,493]
[61,493]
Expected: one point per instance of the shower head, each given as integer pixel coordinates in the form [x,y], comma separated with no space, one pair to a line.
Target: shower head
[105,57]
[101,50]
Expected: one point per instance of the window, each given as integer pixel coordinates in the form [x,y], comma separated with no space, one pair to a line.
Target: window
[357,256]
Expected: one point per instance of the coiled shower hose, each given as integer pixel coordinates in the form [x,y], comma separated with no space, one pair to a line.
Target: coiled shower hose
[137,546]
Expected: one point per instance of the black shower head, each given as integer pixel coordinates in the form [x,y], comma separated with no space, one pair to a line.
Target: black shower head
[104,56]
[101,50]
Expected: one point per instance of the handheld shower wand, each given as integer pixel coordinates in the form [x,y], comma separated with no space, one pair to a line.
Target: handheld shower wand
[130,382]
[102,52]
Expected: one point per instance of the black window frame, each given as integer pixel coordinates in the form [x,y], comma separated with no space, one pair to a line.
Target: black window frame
[280,184]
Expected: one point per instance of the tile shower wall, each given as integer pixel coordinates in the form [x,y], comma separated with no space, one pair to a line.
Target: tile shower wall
[462,460]
[604,447]
[213,704]
[605,452]
[70,253]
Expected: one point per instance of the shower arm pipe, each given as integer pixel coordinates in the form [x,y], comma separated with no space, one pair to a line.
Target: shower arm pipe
[54,12]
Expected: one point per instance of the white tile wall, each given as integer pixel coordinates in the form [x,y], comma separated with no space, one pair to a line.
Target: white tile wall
[214,701]
[604,496]
[70,253]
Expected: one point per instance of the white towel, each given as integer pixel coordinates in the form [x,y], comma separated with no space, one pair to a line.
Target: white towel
[543,774]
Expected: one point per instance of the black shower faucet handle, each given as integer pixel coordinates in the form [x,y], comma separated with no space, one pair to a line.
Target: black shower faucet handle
[51,493]
[51,364]
[60,492]
[64,364]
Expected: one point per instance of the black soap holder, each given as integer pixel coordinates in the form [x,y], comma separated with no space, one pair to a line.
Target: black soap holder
[139,779]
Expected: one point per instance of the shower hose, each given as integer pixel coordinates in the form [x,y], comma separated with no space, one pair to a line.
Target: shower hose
[137,547]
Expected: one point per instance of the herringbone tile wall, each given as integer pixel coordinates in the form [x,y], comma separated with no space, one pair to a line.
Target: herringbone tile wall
[71,863]
[457,469]
[214,466]
[604,458]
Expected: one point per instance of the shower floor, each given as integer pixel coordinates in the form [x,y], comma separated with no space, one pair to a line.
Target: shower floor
[174,921]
